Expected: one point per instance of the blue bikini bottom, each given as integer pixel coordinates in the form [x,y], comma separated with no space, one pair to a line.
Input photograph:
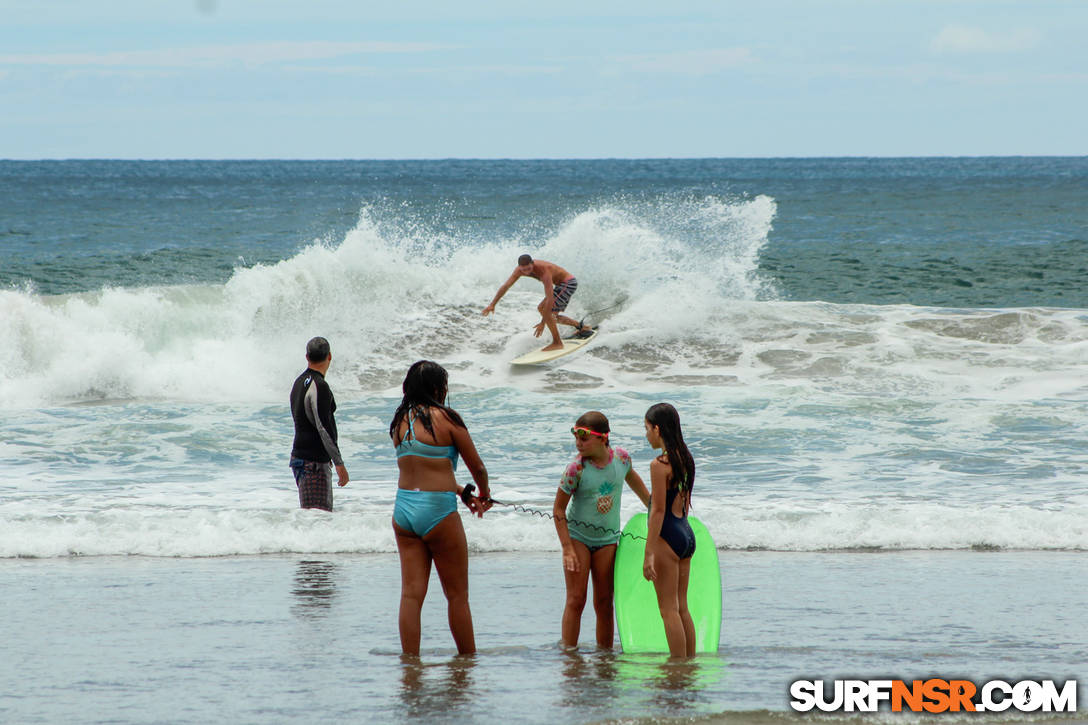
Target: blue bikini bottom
[421,511]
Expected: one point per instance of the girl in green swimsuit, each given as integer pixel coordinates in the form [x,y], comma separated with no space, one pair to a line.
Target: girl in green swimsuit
[587,520]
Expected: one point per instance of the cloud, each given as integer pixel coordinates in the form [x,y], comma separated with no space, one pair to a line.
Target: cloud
[216,56]
[447,71]
[964,39]
[690,62]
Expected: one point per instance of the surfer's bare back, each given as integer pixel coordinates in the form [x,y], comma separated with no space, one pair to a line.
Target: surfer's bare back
[559,285]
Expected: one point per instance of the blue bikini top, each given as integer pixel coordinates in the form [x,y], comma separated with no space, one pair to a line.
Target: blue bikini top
[409,446]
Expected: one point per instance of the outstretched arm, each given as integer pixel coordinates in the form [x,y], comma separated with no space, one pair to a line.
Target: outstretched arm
[502,290]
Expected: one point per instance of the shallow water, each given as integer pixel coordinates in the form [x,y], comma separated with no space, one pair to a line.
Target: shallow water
[282,638]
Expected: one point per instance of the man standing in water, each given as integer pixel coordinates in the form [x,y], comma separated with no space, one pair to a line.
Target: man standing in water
[314,448]
[559,285]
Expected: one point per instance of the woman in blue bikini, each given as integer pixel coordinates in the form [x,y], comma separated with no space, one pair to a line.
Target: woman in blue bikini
[429,436]
[670,541]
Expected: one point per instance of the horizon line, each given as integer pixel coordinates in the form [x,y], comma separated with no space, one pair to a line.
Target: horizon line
[61,159]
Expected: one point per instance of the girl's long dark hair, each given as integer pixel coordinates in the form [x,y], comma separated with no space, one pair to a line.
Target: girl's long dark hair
[667,420]
[425,383]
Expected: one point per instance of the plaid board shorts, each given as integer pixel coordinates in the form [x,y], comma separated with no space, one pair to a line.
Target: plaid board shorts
[561,294]
[314,482]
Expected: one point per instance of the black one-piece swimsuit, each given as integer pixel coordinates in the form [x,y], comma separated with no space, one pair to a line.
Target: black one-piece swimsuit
[675,530]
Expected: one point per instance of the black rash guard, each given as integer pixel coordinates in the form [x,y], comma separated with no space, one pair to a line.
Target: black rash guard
[312,406]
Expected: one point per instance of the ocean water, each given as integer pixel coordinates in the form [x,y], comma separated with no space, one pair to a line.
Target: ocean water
[879,363]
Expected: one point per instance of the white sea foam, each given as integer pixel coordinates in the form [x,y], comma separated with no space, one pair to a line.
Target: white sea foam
[381,295]
[176,512]
[675,312]
[201,531]
[816,426]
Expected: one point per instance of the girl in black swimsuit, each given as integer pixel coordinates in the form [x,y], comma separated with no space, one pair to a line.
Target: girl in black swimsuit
[669,540]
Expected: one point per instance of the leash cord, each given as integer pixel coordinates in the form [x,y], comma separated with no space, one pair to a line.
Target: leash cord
[545,515]
[605,309]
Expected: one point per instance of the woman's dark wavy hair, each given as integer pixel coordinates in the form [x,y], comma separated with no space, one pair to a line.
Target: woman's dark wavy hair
[425,384]
[667,420]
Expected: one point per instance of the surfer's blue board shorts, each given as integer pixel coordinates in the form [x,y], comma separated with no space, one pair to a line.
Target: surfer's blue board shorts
[561,294]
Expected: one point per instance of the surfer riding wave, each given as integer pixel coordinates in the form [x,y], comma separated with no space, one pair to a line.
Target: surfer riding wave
[559,286]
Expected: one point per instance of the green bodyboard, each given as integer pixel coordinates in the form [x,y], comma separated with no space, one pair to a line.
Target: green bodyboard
[637,615]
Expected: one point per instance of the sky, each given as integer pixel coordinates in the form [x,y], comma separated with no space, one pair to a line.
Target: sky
[355,79]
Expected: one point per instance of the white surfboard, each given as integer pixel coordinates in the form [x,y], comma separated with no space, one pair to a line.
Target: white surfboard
[570,344]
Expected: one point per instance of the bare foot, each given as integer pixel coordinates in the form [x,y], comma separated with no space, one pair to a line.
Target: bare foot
[553,346]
